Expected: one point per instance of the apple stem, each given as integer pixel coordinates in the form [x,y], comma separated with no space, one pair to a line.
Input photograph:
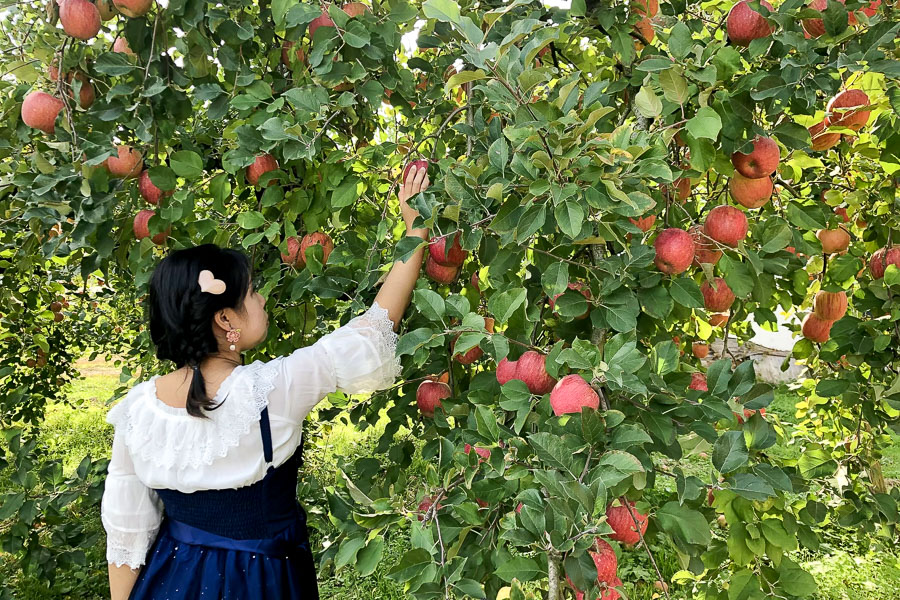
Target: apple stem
[644,544]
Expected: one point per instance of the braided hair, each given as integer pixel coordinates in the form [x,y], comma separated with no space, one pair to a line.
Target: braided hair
[181,315]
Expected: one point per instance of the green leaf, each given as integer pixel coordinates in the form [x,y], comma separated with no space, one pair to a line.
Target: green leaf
[730,452]
[656,302]
[413,563]
[555,278]
[368,558]
[674,85]
[705,124]
[680,42]
[430,304]
[504,304]
[346,193]
[521,568]
[186,164]
[570,218]
[750,486]
[498,154]
[647,104]
[251,219]
[486,423]
[794,580]
[442,10]
[552,451]
[684,524]
[665,357]
[686,292]
[816,462]
[347,552]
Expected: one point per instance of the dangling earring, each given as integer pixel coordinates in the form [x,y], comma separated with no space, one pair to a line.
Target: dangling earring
[233,336]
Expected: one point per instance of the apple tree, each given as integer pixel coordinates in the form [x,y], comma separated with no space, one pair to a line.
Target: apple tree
[615,187]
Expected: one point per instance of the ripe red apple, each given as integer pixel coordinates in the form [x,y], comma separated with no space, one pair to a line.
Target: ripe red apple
[815,329]
[744,24]
[322,20]
[872,8]
[506,370]
[418,164]
[842,213]
[429,395]
[698,382]
[674,251]
[80,18]
[133,8]
[620,520]
[700,349]
[286,56]
[830,306]
[846,110]
[121,45]
[726,225]
[263,164]
[750,193]
[644,223]
[577,286]
[86,95]
[821,139]
[312,239]
[880,260]
[705,250]
[645,28]
[40,109]
[531,369]
[453,256]
[681,187]
[483,453]
[142,227]
[107,9]
[760,162]
[149,191]
[440,273]
[833,240]
[647,8]
[293,256]
[608,590]
[571,394]
[717,297]
[354,9]
[469,356]
[816,27]
[128,162]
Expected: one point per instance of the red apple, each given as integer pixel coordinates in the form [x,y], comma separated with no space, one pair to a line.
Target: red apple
[846,110]
[142,228]
[815,329]
[842,213]
[293,256]
[322,20]
[426,503]
[80,18]
[263,164]
[645,28]
[816,27]
[571,394]
[286,56]
[750,193]
[506,370]
[453,256]
[312,239]
[647,8]
[744,24]
[577,286]
[121,45]
[619,518]
[698,382]
[821,139]
[440,273]
[40,109]
[681,187]
[726,225]
[418,164]
[717,297]
[718,319]
[760,162]
[107,9]
[133,8]
[429,395]
[150,192]
[127,163]
[354,9]
[469,356]
[833,240]
[881,259]
[830,306]
[644,223]
[705,249]
[483,453]
[86,94]
[531,368]
[700,349]
[674,251]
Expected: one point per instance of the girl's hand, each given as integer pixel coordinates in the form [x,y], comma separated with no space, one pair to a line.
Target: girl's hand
[416,181]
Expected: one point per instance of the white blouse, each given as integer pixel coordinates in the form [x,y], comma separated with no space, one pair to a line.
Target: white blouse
[161,446]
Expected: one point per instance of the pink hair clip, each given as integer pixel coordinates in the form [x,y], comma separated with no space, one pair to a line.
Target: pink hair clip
[209,283]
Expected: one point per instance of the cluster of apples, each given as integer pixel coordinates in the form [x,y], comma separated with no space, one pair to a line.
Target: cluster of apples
[846,109]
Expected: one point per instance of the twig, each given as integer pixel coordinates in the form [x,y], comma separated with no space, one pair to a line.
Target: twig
[646,546]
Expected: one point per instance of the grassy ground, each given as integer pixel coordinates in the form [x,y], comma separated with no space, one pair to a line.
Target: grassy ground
[71,432]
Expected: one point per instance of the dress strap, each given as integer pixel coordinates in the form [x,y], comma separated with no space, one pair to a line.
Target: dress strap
[266,432]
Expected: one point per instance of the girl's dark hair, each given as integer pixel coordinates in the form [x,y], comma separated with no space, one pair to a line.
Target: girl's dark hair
[181,316]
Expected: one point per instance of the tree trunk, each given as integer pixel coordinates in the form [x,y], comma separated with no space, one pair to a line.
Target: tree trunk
[553,577]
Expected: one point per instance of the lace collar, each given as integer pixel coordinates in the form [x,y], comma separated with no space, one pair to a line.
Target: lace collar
[169,438]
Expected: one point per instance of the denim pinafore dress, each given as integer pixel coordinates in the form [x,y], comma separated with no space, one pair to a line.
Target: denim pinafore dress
[249,543]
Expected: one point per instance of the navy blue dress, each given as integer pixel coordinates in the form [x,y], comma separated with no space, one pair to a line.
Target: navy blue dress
[249,543]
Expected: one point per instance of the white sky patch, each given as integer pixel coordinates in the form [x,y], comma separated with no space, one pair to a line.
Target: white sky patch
[409,40]
[564,4]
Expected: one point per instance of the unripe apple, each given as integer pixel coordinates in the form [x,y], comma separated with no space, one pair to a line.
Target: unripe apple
[644,223]
[263,164]
[142,228]
[429,395]
[674,251]
[700,349]
[821,139]
[705,250]
[531,368]
[846,110]
[619,518]
[80,18]
[149,191]
[880,260]
[312,239]
[127,163]
[133,8]
[418,164]
[830,306]
[815,329]
[440,273]
[744,24]
[107,9]
[579,287]
[717,296]
[750,193]
[726,225]
[121,45]
[571,394]
[698,382]
[322,20]
[286,56]
[833,240]
[760,162]
[506,370]
[453,256]
[40,109]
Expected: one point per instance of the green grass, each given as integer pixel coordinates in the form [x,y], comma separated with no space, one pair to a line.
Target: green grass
[78,427]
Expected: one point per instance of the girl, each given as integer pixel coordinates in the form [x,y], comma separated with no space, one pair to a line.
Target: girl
[200,498]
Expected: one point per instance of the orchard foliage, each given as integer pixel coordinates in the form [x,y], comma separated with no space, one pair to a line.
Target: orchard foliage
[553,135]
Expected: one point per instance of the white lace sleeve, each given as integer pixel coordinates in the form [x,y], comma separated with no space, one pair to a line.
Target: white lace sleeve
[357,358]
[130,511]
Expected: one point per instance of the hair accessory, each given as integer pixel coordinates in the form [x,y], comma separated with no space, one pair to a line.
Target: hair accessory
[194,367]
[209,283]
[233,336]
